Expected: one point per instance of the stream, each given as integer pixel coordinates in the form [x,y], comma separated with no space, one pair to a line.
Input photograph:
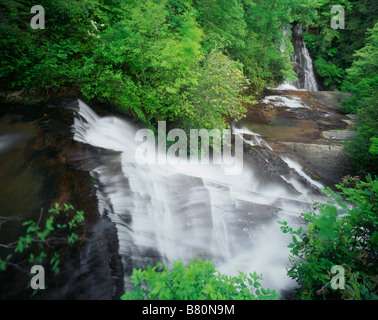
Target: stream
[163,213]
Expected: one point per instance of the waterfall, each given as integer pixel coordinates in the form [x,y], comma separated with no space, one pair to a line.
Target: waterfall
[168,212]
[303,65]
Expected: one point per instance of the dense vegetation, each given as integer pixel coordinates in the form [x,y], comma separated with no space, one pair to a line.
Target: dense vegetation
[343,232]
[333,49]
[199,280]
[188,62]
[193,63]
[362,81]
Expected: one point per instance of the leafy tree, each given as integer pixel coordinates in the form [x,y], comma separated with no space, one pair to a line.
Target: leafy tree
[362,81]
[144,62]
[223,22]
[362,76]
[374,146]
[43,60]
[217,93]
[333,49]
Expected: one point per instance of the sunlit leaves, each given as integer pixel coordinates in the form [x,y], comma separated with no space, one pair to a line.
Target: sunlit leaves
[199,280]
[218,92]
[342,232]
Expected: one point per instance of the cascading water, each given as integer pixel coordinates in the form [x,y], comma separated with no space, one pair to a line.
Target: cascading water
[305,74]
[165,213]
[169,212]
[303,65]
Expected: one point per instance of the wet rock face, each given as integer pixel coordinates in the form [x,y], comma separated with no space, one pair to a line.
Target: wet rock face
[38,169]
[302,63]
[307,127]
[45,165]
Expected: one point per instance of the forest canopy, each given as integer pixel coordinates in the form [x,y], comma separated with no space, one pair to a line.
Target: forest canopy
[191,63]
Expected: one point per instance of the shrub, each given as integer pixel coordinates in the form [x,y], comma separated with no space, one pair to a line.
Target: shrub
[198,281]
[45,243]
[344,233]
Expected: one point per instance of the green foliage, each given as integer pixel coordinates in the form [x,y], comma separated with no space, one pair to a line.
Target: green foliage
[198,281]
[334,48]
[362,81]
[343,232]
[142,64]
[150,59]
[366,128]
[374,146]
[59,229]
[223,21]
[331,74]
[42,60]
[218,92]
[362,76]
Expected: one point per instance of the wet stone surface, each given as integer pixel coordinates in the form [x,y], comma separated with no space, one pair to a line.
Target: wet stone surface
[307,127]
[39,161]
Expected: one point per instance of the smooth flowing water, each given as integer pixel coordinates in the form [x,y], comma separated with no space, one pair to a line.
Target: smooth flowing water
[303,65]
[166,212]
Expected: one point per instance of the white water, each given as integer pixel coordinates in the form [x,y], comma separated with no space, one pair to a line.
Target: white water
[306,79]
[303,65]
[165,213]
[9,140]
[284,101]
[303,62]
[287,86]
[299,169]
[254,138]
[310,83]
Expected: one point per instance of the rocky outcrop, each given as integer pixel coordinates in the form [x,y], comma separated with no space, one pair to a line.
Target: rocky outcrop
[41,168]
[313,134]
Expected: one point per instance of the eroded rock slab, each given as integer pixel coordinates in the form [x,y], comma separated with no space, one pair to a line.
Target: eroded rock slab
[307,127]
[39,161]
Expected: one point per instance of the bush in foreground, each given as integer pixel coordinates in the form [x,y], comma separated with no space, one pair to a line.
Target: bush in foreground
[198,281]
[343,233]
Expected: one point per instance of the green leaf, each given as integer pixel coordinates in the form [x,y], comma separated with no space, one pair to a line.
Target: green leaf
[126,296]
[283,229]
[374,238]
